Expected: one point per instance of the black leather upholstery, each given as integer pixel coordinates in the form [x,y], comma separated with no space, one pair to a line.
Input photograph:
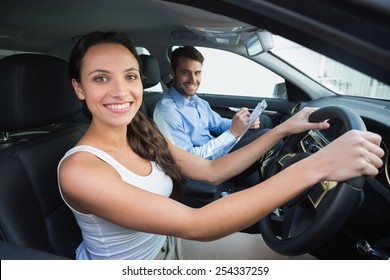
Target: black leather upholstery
[150,70]
[150,99]
[35,97]
[151,77]
[34,91]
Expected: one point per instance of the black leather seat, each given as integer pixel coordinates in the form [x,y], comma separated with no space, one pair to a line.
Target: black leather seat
[152,76]
[35,99]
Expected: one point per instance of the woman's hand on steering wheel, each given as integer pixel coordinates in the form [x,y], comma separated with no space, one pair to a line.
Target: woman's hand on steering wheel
[360,146]
[300,122]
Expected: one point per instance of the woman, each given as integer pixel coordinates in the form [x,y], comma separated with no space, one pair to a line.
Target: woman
[120,178]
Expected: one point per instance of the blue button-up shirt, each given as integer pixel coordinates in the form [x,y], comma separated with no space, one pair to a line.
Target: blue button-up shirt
[191,123]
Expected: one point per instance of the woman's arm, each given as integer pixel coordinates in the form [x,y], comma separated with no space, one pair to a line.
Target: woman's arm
[226,167]
[92,186]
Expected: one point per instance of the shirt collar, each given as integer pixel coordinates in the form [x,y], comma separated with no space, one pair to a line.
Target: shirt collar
[180,100]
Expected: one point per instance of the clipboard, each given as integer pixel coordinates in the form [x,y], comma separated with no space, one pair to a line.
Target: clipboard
[260,107]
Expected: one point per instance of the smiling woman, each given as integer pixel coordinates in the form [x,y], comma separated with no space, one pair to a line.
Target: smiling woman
[325,54]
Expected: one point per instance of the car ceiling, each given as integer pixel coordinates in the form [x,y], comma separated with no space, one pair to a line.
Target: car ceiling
[336,27]
[48,26]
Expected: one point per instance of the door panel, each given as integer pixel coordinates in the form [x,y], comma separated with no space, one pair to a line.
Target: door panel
[277,109]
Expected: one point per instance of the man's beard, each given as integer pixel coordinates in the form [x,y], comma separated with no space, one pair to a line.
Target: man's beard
[182,90]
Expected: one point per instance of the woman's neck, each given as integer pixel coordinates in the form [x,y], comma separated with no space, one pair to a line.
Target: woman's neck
[107,139]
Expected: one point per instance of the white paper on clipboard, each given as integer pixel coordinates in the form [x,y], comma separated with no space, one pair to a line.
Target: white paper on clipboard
[254,115]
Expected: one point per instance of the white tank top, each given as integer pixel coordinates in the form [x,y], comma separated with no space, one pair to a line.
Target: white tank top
[105,240]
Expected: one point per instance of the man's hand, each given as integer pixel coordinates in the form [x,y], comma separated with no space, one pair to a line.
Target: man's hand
[240,121]
[255,124]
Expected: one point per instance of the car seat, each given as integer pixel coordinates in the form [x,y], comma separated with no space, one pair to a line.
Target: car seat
[151,77]
[36,97]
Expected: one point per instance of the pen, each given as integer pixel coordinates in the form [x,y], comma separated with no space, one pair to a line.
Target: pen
[235,109]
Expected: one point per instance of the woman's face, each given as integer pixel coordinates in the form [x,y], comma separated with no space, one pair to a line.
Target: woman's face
[110,83]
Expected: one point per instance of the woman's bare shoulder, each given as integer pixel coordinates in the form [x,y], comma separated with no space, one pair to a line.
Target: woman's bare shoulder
[82,166]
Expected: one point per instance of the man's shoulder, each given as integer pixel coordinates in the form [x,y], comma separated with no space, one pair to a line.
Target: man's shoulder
[202,101]
[166,102]
[166,106]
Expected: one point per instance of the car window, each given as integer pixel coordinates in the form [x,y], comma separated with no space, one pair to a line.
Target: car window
[337,77]
[227,73]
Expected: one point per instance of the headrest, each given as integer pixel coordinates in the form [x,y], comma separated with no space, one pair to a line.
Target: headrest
[35,91]
[150,70]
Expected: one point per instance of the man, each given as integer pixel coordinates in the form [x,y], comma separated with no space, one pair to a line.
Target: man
[190,123]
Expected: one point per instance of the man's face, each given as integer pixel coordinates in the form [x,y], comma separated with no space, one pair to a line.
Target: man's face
[187,77]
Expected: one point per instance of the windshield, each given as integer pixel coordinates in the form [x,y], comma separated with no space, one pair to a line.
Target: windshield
[337,77]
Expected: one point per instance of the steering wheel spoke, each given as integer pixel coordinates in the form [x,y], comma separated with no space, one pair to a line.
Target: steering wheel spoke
[297,218]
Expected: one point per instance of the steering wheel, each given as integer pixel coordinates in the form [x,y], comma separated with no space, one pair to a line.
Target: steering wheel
[311,218]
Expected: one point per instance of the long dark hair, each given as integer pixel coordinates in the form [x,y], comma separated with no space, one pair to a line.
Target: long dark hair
[142,133]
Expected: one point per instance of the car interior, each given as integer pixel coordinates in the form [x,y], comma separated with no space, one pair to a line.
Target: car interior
[41,117]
